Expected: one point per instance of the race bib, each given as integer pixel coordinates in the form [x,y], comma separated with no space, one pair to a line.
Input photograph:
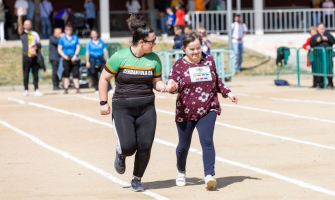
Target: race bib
[200,74]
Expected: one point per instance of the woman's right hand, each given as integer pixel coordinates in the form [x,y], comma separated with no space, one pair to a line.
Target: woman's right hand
[105,109]
[67,57]
[88,65]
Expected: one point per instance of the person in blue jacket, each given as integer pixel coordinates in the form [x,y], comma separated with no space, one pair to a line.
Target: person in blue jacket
[68,49]
[96,56]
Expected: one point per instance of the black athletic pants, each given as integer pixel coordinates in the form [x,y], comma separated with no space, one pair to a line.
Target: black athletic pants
[55,79]
[134,123]
[95,80]
[30,63]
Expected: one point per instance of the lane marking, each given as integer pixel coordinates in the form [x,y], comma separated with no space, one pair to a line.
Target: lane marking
[303,101]
[279,113]
[261,171]
[77,160]
[256,132]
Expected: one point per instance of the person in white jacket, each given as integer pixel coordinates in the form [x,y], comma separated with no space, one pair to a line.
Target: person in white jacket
[133,6]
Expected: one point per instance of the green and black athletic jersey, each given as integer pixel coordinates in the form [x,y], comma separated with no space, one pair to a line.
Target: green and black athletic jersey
[133,75]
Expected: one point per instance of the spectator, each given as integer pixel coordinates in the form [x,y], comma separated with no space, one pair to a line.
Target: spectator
[46,10]
[239,29]
[68,48]
[90,13]
[163,17]
[96,56]
[62,17]
[188,28]
[200,5]
[9,21]
[328,14]
[171,19]
[307,46]
[180,14]
[178,38]
[24,5]
[133,6]
[323,39]
[2,22]
[31,10]
[54,56]
[206,44]
[316,4]
[30,43]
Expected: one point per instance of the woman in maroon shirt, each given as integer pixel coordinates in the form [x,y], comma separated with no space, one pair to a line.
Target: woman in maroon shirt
[197,104]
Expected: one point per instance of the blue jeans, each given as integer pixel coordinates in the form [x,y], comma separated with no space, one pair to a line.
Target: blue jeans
[238,49]
[46,27]
[163,23]
[205,127]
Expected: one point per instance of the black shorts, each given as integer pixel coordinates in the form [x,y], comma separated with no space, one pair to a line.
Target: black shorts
[70,67]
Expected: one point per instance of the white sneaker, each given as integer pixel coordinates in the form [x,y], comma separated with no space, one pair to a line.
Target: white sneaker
[26,93]
[180,180]
[210,182]
[37,93]
[110,91]
[96,92]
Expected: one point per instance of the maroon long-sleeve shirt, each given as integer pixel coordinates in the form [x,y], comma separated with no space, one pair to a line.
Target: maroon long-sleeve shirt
[198,97]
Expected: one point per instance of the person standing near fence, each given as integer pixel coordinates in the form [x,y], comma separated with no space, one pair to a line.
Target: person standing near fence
[90,13]
[323,39]
[68,48]
[133,6]
[30,44]
[96,56]
[54,56]
[313,31]
[31,10]
[137,71]
[206,44]
[46,11]
[197,105]
[239,30]
[62,17]
[328,14]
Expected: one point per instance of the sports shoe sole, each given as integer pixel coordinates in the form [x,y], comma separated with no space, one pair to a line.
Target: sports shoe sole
[211,184]
[139,190]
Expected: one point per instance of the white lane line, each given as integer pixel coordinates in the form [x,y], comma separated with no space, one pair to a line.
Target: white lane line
[279,113]
[17,100]
[77,160]
[303,101]
[261,171]
[256,132]
[275,175]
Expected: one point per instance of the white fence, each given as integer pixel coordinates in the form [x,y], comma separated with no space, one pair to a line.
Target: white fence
[285,20]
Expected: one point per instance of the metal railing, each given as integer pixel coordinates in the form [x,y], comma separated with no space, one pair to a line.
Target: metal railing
[318,61]
[280,20]
[224,59]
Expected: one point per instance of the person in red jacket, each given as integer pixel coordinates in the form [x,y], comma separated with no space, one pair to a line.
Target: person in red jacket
[313,31]
[180,15]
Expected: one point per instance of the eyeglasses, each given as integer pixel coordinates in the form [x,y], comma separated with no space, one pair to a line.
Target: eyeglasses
[152,42]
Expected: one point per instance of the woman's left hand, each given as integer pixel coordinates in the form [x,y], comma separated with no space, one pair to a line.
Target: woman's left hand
[74,58]
[171,86]
[233,97]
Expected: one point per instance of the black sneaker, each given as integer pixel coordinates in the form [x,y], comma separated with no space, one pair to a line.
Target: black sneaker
[120,163]
[137,185]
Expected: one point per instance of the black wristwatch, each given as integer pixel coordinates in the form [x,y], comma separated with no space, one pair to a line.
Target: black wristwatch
[103,103]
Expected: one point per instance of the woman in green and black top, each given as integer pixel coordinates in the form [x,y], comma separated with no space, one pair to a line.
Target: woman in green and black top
[137,71]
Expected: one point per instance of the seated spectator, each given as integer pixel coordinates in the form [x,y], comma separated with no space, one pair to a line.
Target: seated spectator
[206,44]
[178,38]
[180,14]
[307,46]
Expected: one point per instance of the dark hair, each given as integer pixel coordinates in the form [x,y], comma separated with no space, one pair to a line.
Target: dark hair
[191,37]
[188,26]
[139,29]
[179,27]
[69,7]
[69,25]
[320,24]
[95,30]
[130,2]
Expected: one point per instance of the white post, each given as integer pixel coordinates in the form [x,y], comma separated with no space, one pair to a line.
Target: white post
[229,21]
[258,8]
[238,5]
[104,19]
